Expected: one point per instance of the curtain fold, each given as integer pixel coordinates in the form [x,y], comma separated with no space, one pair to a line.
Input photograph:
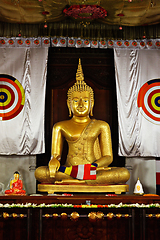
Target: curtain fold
[138,94]
[22,100]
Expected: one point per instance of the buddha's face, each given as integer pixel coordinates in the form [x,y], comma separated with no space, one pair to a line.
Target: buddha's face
[16,176]
[81,103]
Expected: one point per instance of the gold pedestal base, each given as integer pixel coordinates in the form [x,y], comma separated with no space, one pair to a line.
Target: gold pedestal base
[52,188]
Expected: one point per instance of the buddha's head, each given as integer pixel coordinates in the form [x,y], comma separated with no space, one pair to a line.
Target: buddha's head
[80,96]
[16,175]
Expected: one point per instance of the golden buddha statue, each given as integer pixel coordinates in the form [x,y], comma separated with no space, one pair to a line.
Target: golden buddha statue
[89,144]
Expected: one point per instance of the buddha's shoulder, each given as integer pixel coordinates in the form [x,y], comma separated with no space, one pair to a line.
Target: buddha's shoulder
[101,123]
[61,124]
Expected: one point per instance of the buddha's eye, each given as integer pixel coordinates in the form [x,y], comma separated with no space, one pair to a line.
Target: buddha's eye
[85,100]
[75,101]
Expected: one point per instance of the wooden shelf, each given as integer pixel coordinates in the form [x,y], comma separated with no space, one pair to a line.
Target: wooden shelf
[130,223]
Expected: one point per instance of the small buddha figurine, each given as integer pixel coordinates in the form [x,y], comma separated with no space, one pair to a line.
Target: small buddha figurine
[89,144]
[16,186]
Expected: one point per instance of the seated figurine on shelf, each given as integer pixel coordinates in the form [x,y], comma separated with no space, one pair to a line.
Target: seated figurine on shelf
[16,186]
[89,144]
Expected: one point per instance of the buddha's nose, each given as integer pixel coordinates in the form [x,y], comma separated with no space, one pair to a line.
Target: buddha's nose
[80,103]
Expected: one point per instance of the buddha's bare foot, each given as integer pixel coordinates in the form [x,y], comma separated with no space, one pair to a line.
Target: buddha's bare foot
[70,181]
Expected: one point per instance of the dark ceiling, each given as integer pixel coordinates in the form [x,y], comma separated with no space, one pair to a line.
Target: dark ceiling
[136,17]
[119,12]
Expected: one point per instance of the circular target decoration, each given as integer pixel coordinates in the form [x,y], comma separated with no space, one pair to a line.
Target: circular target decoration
[149,100]
[12,97]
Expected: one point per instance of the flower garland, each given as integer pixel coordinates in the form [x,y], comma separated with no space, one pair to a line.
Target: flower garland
[43,205]
[85,11]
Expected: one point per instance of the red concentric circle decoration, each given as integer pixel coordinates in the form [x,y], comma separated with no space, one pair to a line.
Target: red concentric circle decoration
[20,42]
[2,41]
[63,41]
[86,42]
[134,44]
[149,43]
[126,43]
[55,41]
[149,100]
[46,41]
[10,41]
[28,42]
[94,42]
[103,43]
[157,44]
[79,42]
[12,97]
[71,41]
[110,43]
[119,43]
[36,42]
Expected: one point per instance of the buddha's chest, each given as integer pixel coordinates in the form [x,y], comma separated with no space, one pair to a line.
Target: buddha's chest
[76,132]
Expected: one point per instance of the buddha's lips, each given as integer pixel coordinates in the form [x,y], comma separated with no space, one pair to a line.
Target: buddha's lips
[81,109]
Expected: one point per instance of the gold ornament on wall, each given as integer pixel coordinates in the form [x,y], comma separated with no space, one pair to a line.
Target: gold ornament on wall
[74,216]
[14,215]
[100,215]
[55,215]
[5,215]
[64,216]
[110,215]
[92,216]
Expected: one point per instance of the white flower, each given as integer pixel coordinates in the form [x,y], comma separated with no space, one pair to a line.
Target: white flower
[27,205]
[6,205]
[65,205]
[120,205]
[42,205]
[34,205]
[111,206]
[157,205]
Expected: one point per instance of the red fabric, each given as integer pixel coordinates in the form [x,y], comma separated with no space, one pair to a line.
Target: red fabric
[84,174]
[74,171]
[158,178]
[87,172]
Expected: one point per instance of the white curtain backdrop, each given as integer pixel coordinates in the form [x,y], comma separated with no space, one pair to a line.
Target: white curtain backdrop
[24,133]
[139,132]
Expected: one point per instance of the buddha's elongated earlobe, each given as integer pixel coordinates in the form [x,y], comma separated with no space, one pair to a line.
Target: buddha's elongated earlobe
[92,105]
[91,112]
[70,112]
[69,108]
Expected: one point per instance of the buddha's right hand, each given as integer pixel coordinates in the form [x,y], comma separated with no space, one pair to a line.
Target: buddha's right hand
[54,165]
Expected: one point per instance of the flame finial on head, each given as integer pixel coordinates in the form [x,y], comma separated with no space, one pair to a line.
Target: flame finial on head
[80,84]
[79,74]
